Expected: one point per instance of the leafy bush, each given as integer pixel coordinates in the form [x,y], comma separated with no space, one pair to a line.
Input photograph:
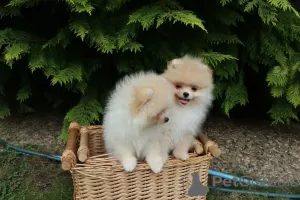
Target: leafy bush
[73,51]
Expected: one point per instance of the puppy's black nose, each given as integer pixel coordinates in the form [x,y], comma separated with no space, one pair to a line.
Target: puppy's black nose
[166,119]
[185,94]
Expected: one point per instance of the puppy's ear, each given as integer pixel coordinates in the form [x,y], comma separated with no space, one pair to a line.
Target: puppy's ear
[146,94]
[142,97]
[173,63]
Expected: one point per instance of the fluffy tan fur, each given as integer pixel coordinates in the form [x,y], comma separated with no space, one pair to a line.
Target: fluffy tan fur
[148,99]
[189,70]
[134,120]
[193,84]
[189,74]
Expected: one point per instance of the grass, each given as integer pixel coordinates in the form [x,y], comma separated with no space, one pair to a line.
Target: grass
[34,178]
[27,177]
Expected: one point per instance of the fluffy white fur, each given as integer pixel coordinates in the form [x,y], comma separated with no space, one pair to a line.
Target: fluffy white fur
[188,75]
[135,118]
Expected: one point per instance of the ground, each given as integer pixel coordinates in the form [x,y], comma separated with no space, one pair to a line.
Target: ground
[250,148]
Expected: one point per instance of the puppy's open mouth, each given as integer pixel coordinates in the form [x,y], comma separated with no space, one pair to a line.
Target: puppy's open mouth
[184,101]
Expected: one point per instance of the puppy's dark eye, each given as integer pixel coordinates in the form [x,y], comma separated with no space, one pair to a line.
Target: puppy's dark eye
[178,86]
[194,89]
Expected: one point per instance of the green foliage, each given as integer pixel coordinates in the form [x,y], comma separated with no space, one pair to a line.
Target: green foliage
[24,93]
[84,46]
[86,112]
[4,110]
[80,6]
[235,94]
[282,112]
[163,12]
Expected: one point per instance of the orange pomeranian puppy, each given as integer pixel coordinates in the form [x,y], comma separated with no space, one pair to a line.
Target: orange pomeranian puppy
[193,84]
[134,120]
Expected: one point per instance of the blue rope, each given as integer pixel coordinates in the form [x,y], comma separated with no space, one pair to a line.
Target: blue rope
[293,196]
[210,172]
[237,179]
[28,152]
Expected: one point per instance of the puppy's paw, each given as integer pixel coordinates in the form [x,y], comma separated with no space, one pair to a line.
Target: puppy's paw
[182,155]
[155,163]
[129,163]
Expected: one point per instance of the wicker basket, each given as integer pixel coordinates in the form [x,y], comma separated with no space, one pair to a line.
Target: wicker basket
[96,175]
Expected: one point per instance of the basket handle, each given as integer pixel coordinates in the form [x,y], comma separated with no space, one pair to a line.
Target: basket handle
[209,146]
[83,150]
[197,146]
[68,158]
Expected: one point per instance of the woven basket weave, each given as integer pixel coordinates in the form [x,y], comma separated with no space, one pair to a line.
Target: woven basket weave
[99,176]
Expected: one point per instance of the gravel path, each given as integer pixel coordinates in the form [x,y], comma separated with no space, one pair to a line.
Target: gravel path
[257,150]
[251,147]
[36,129]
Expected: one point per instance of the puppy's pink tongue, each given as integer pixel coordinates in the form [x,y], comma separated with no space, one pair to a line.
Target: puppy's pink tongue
[183,101]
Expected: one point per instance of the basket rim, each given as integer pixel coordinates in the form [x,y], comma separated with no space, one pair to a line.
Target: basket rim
[110,163]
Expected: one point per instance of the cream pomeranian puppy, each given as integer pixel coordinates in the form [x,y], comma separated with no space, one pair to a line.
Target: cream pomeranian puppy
[135,116]
[193,84]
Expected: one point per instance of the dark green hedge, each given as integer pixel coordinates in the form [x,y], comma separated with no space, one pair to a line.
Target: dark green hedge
[71,52]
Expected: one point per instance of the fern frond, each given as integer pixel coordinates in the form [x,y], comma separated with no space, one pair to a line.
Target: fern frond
[289,26]
[37,59]
[125,39]
[81,86]
[225,2]
[229,17]
[293,94]
[68,75]
[250,6]
[243,2]
[4,110]
[184,16]
[132,47]
[284,5]
[144,16]
[9,36]
[277,91]
[80,28]
[15,51]
[295,69]
[273,48]
[53,61]
[227,69]
[80,6]
[9,12]
[24,93]
[281,58]
[86,113]
[106,43]
[282,112]
[219,38]
[26,3]
[114,5]
[220,88]
[267,13]
[163,11]
[278,76]
[214,58]
[62,38]
[236,94]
